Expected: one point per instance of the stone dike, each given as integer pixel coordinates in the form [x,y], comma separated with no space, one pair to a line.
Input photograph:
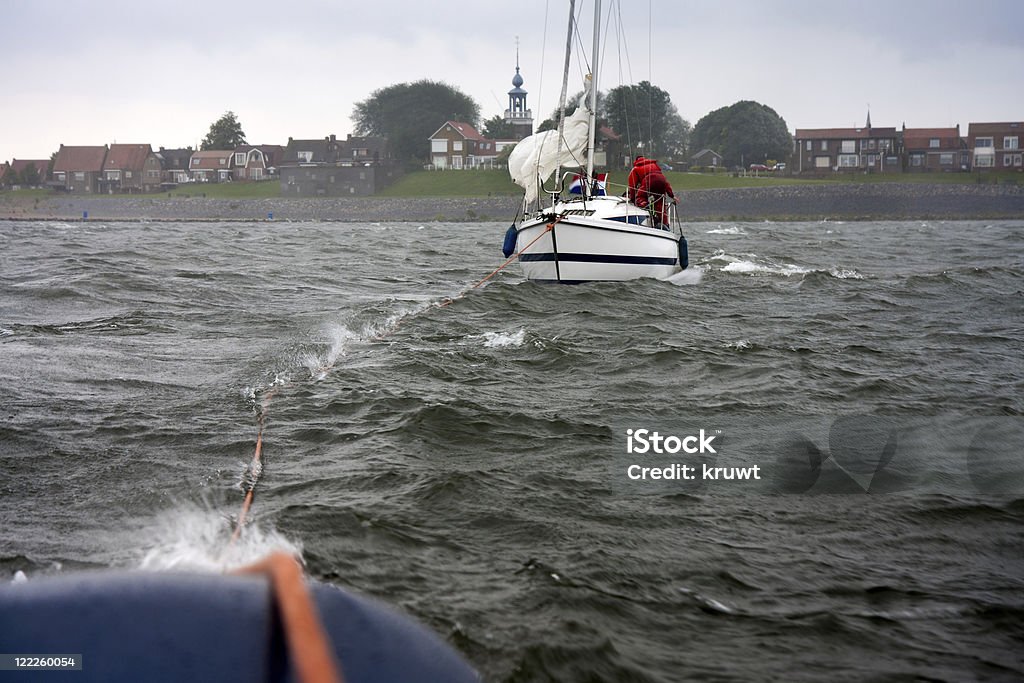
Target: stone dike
[838,201]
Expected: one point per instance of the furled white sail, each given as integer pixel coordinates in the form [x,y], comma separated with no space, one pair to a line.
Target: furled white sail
[537,156]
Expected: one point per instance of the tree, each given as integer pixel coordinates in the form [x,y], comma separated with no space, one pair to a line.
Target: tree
[408,113]
[497,128]
[225,133]
[743,133]
[10,177]
[644,116]
[30,176]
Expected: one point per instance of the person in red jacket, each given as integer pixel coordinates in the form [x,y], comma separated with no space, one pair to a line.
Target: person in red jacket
[647,187]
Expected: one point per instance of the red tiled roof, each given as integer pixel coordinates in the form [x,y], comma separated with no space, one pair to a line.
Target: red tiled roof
[211,160]
[986,128]
[71,159]
[844,133]
[915,138]
[465,130]
[20,165]
[127,157]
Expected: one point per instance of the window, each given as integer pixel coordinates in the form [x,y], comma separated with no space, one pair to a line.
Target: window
[305,157]
[239,158]
[849,146]
[847,161]
[457,145]
[824,145]
[984,160]
[822,162]
[946,159]
[456,162]
[1007,160]
[1018,159]
[127,174]
[80,176]
[113,175]
[1011,142]
[809,145]
[917,159]
[983,142]
[439,146]
[195,162]
[933,143]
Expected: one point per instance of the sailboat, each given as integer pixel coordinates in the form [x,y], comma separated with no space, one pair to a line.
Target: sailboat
[590,236]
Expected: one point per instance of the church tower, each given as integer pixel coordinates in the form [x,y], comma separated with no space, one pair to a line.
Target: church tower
[517,114]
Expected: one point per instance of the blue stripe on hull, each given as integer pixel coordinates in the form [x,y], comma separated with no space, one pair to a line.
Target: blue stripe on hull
[601,258]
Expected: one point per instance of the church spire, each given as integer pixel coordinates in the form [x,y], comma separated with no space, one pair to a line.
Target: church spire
[517,114]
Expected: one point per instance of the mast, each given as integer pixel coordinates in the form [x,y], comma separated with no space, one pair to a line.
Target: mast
[565,88]
[593,99]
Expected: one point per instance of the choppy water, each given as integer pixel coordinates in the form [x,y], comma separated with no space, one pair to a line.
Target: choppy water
[466,462]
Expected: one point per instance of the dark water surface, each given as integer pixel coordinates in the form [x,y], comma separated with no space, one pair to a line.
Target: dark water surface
[466,462]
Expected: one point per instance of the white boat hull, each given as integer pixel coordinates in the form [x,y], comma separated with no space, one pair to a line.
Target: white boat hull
[606,245]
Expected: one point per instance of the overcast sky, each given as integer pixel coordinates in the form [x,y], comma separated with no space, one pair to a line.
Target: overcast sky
[92,73]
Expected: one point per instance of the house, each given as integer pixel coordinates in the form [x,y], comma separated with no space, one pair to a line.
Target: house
[211,166]
[26,172]
[130,168]
[867,149]
[78,169]
[458,145]
[175,163]
[996,146]
[256,162]
[609,151]
[708,158]
[934,149]
[356,166]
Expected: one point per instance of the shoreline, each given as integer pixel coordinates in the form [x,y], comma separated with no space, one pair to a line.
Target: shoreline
[841,201]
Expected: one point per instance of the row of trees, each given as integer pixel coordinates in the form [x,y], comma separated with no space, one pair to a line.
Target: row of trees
[30,176]
[642,114]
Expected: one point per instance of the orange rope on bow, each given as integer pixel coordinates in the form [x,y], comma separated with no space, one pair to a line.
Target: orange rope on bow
[312,656]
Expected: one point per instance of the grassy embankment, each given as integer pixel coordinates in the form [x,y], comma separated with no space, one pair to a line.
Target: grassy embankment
[484,183]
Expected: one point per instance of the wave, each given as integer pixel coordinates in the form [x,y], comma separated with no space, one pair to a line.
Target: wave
[753,264]
[197,539]
[503,340]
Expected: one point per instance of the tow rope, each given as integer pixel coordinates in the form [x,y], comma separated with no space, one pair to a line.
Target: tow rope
[255,469]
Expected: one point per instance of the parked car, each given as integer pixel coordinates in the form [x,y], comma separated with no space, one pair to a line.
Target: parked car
[758,167]
[779,167]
